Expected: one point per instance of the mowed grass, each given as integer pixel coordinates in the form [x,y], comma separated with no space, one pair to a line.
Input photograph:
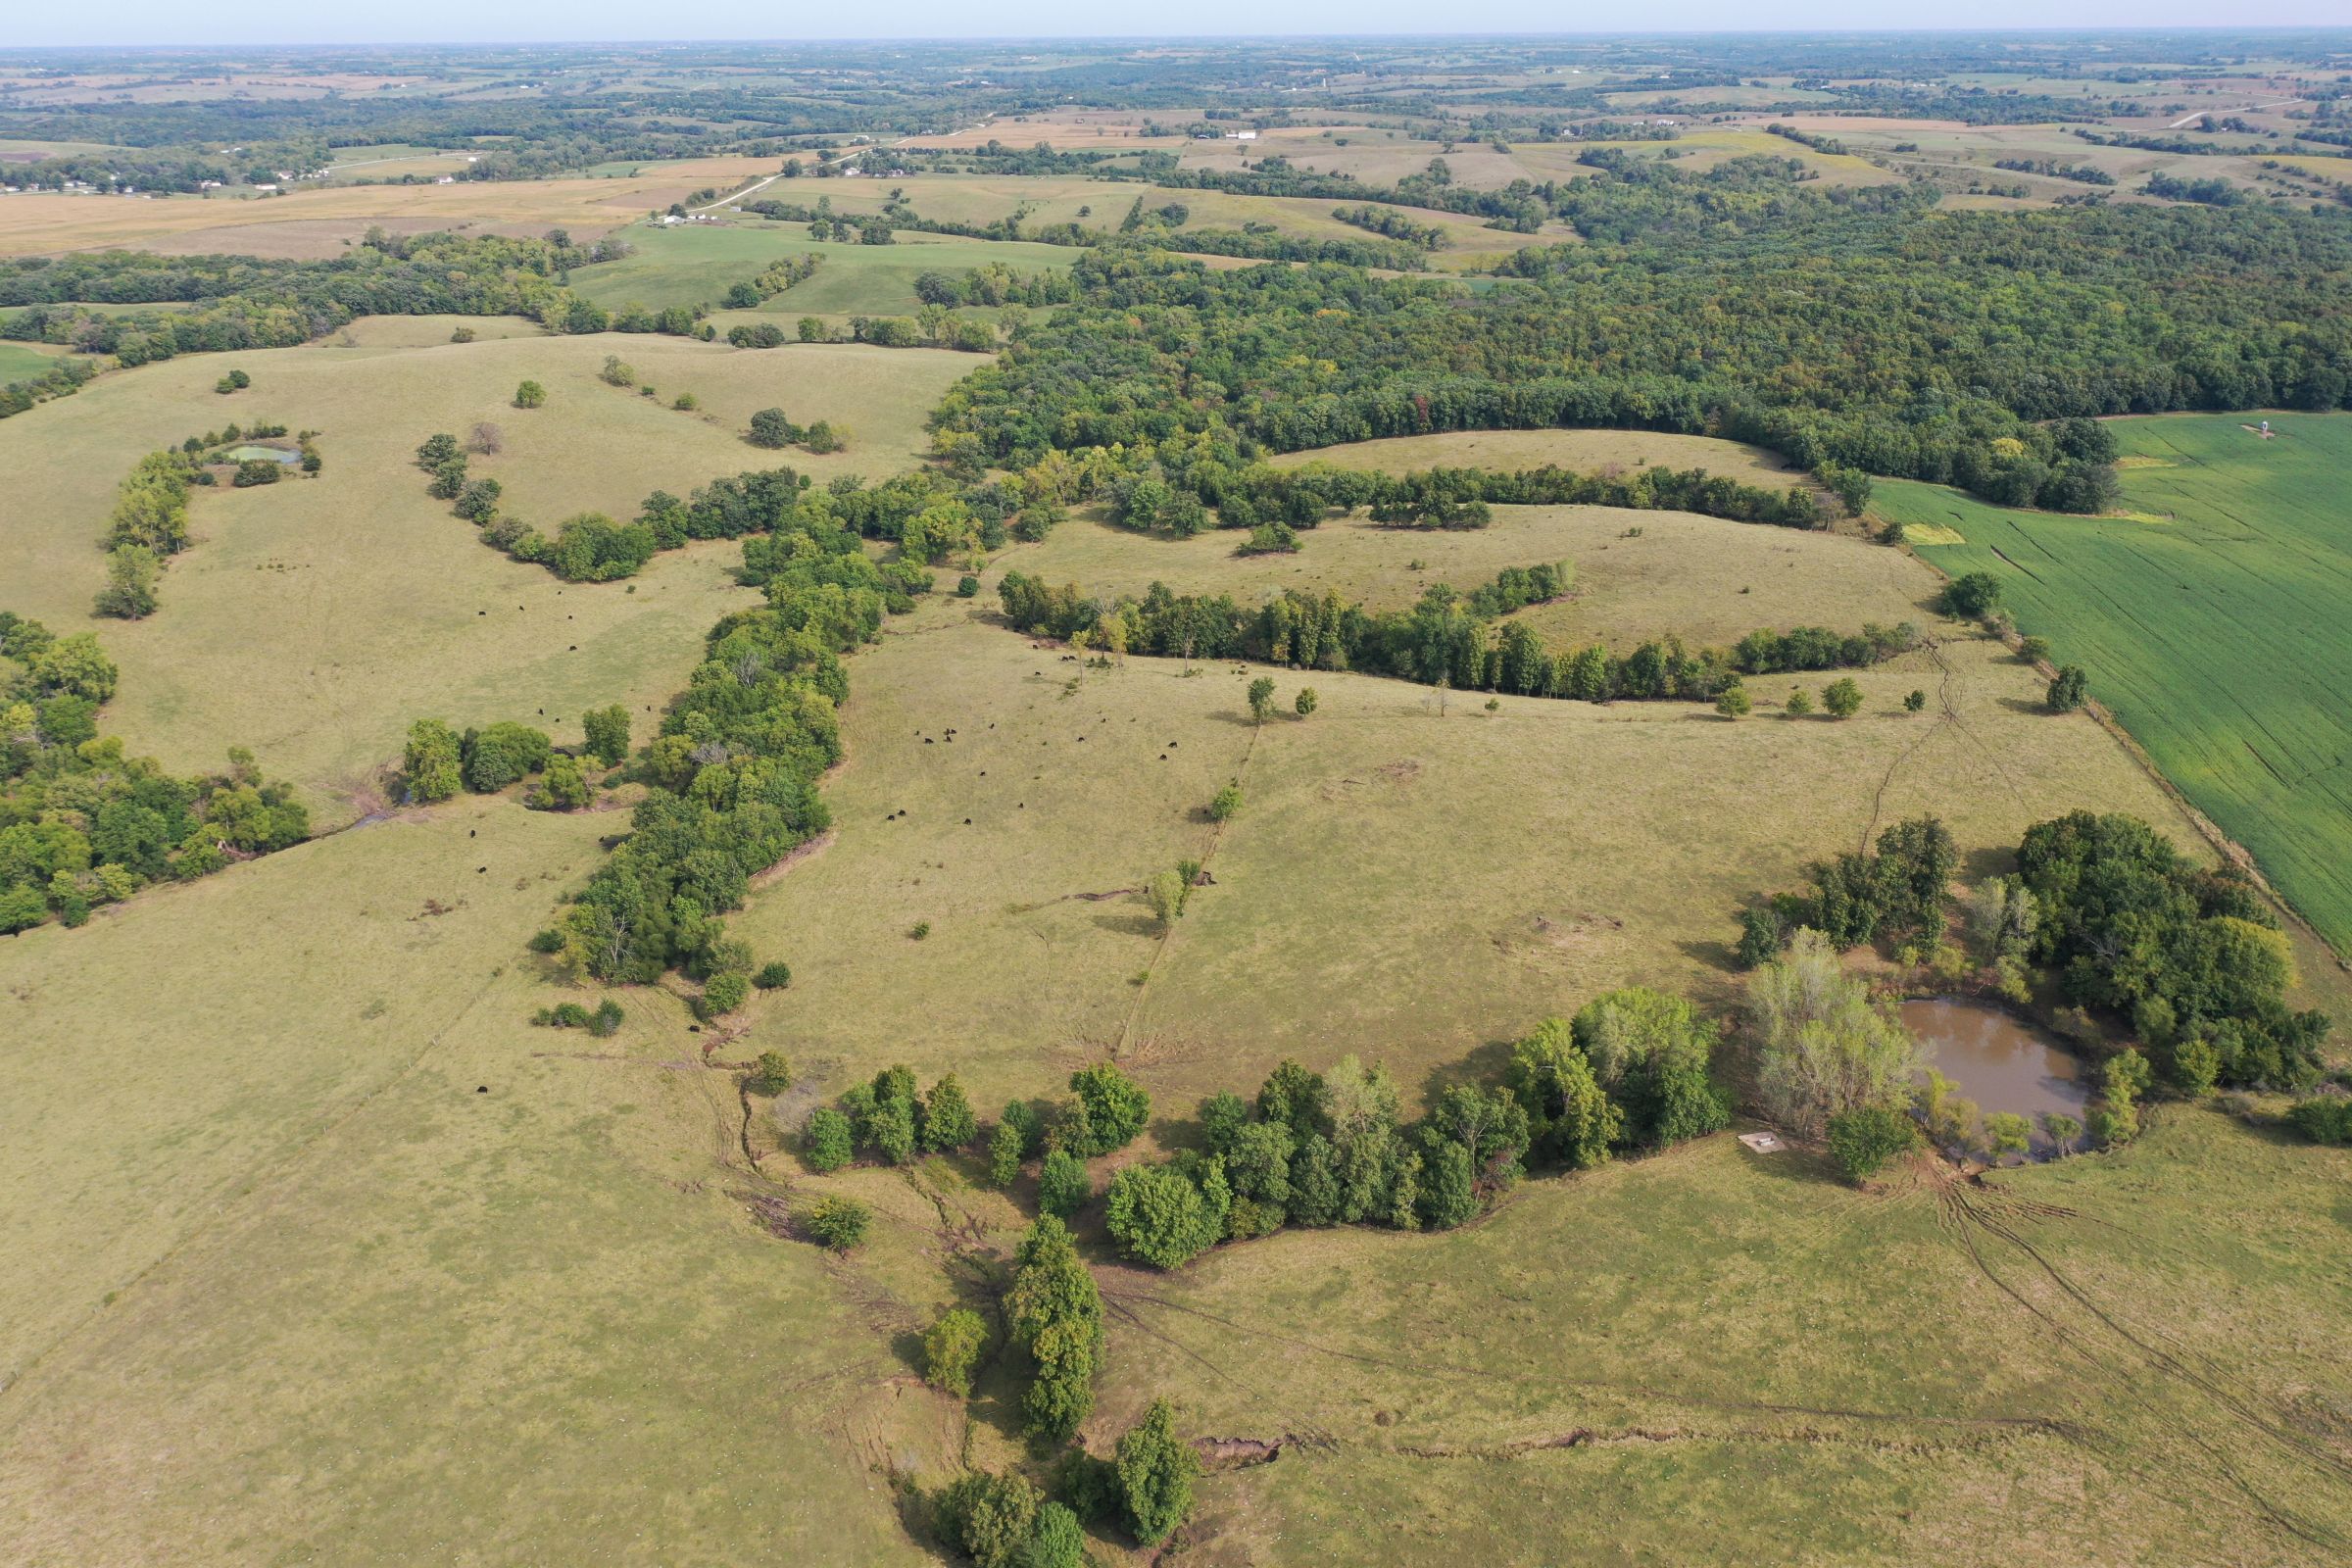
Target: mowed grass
[402,1319]
[696,264]
[2210,621]
[1586,451]
[313,619]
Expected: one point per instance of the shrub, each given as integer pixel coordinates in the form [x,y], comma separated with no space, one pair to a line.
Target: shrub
[607,733]
[485,439]
[1971,597]
[723,994]
[839,1223]
[967,586]
[463,334]
[1060,1542]
[617,373]
[2034,650]
[1304,703]
[770,429]
[1862,1141]
[1116,1107]
[1261,698]
[773,976]
[1155,1475]
[947,1119]
[2324,1120]
[952,1350]
[1008,1147]
[562,788]
[496,756]
[1225,803]
[1162,1217]
[993,1518]
[431,764]
[771,1076]
[1915,701]
[825,1141]
[2068,690]
[1063,1186]
[530,395]
[1732,700]
[1798,704]
[1842,698]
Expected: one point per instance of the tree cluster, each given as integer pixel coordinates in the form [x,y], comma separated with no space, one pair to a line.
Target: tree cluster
[82,824]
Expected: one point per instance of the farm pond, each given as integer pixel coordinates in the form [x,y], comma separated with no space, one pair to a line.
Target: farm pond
[1996,1061]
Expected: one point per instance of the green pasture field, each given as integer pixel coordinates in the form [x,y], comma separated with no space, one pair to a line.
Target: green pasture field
[313,619]
[2210,619]
[698,263]
[22,361]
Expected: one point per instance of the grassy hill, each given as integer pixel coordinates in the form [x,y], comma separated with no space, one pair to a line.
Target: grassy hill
[278,629]
[2209,618]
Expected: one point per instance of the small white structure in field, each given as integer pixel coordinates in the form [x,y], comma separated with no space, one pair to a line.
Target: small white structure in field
[1240,136]
[1763,1143]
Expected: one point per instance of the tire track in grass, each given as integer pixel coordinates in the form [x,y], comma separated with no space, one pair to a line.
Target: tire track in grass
[1964,1218]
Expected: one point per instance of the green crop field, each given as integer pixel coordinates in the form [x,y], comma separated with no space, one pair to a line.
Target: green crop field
[696,265]
[2211,622]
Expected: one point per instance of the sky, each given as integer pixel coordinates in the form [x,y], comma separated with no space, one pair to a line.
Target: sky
[307,22]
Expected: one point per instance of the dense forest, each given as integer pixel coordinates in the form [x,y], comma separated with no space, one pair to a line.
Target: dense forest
[1969,348]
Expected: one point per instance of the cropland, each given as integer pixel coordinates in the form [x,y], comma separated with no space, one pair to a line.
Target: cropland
[2208,614]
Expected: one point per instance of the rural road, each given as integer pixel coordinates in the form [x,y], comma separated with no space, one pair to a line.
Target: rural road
[753,190]
[2242,109]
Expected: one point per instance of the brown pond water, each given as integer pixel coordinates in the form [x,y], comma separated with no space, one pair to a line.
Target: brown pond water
[1995,1060]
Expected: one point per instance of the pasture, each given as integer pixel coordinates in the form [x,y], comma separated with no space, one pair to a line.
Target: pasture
[302,1162]
[1566,868]
[371,1280]
[2209,619]
[1706,579]
[273,631]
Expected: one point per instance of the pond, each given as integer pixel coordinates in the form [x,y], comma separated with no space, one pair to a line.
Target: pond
[264,455]
[1997,1061]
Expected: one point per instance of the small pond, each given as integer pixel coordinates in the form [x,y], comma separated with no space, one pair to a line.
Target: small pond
[263,455]
[1996,1061]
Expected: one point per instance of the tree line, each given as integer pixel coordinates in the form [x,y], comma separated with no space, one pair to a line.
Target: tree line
[1446,638]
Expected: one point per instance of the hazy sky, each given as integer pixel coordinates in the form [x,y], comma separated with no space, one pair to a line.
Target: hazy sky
[33,24]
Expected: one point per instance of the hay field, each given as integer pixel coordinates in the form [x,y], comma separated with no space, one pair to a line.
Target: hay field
[45,222]
[313,619]
[2210,621]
